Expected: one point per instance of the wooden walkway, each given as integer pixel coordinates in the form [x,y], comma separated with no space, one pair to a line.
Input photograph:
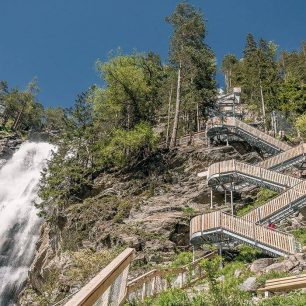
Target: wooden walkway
[255,137]
[217,226]
[284,284]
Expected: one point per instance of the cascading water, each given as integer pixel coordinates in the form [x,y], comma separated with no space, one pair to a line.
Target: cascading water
[19,223]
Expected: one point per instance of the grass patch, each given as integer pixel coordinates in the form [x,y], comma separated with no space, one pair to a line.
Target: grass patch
[263,196]
[297,298]
[300,235]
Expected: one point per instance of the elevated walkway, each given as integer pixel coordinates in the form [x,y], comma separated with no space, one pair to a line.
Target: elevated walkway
[234,172]
[218,227]
[255,137]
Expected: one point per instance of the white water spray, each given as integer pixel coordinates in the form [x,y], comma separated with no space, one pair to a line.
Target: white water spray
[19,223]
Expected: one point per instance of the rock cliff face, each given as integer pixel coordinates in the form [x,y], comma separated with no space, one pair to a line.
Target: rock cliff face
[147,207]
[8,145]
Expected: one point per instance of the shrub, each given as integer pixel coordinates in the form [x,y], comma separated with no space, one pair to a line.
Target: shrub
[127,145]
[247,253]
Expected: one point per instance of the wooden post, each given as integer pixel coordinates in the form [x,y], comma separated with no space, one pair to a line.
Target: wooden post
[211,198]
[143,294]
[232,201]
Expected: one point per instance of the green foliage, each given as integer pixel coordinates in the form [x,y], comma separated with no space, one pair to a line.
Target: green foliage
[297,298]
[300,234]
[223,293]
[278,83]
[263,196]
[182,259]
[171,297]
[196,61]
[20,110]
[131,94]
[128,145]
[300,124]
[247,253]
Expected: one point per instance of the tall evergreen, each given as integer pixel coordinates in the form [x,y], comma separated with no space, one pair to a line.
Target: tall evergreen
[195,65]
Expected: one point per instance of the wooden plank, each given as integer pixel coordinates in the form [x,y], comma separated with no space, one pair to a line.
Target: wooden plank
[301,276]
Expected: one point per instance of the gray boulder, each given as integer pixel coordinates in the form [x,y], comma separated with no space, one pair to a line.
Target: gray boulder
[249,284]
[261,264]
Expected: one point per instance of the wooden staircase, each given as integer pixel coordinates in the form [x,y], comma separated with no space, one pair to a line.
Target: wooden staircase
[219,227]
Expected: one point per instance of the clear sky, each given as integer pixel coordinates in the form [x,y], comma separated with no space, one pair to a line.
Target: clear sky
[58,41]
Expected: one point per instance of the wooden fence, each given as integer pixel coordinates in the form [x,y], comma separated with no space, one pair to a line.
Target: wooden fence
[158,280]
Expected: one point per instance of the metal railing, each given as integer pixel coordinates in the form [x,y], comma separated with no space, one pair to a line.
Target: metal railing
[256,172]
[234,123]
[248,231]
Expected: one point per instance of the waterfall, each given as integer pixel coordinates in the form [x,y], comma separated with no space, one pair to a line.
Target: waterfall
[19,223]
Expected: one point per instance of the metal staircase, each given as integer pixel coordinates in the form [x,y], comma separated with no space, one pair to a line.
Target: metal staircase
[219,227]
[233,126]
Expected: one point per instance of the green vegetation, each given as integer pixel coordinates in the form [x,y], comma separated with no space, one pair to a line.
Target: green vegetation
[20,111]
[247,253]
[263,196]
[111,128]
[300,234]
[291,299]
[269,82]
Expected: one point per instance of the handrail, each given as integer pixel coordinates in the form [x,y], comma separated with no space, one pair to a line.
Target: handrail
[246,227]
[255,133]
[277,203]
[258,234]
[259,134]
[109,286]
[157,280]
[251,170]
[283,157]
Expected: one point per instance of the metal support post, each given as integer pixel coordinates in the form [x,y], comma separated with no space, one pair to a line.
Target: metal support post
[192,253]
[232,203]
[232,200]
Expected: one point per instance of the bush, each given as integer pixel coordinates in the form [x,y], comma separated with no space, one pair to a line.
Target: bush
[263,196]
[171,297]
[182,259]
[300,234]
[247,253]
[126,146]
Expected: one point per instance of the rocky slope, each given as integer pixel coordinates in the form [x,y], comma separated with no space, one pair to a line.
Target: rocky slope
[147,207]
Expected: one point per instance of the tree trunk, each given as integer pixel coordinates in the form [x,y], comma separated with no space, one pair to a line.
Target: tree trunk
[17,119]
[169,116]
[198,118]
[263,106]
[226,81]
[177,109]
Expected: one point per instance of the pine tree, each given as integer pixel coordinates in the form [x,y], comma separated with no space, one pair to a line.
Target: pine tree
[194,63]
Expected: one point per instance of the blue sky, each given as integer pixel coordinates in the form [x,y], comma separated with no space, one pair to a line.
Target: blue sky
[59,41]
